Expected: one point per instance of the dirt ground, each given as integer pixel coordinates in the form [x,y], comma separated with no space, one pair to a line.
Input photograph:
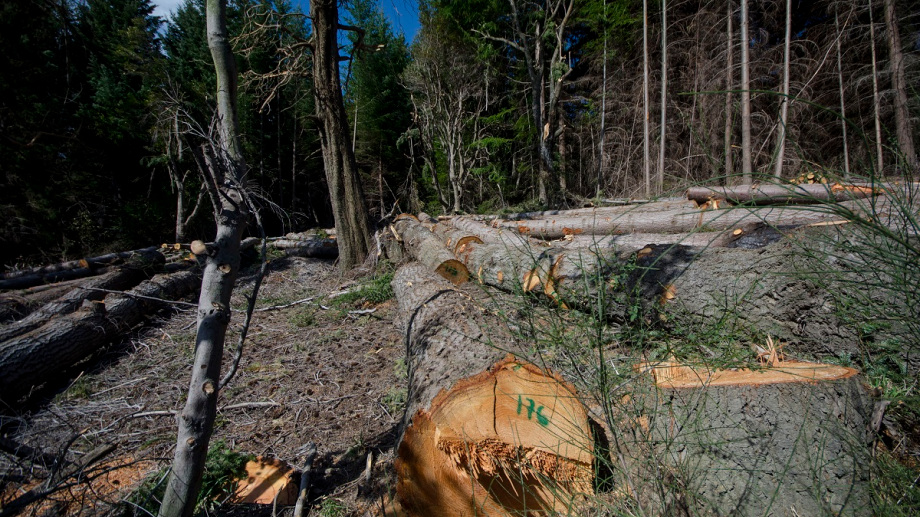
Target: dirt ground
[319,370]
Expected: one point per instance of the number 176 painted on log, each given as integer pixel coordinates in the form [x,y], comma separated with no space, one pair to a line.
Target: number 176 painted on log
[542,420]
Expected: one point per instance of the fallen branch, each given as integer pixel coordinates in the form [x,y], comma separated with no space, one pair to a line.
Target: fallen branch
[305,472]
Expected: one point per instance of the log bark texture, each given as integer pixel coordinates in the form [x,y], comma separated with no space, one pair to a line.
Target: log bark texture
[505,440]
[428,249]
[32,359]
[644,219]
[784,441]
[781,194]
[118,280]
[84,263]
[765,290]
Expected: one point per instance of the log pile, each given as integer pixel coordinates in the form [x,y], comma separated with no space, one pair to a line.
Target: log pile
[790,437]
[49,328]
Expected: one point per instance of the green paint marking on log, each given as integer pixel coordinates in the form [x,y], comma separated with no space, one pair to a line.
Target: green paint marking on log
[531,410]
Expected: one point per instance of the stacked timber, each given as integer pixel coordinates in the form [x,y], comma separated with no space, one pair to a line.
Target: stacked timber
[38,356]
[489,436]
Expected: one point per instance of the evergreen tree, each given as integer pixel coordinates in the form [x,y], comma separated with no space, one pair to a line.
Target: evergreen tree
[377,102]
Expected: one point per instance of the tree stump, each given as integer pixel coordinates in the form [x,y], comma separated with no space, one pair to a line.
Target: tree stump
[786,440]
[495,442]
[513,440]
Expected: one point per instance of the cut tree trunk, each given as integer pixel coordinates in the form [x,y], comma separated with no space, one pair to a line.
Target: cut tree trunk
[314,248]
[679,220]
[750,291]
[85,263]
[32,359]
[427,248]
[749,235]
[507,439]
[790,439]
[93,289]
[781,194]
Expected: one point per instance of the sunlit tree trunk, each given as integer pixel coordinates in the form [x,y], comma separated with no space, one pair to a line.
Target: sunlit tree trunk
[227,167]
[746,167]
[345,191]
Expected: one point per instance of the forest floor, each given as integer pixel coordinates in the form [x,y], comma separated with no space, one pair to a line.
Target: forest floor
[329,370]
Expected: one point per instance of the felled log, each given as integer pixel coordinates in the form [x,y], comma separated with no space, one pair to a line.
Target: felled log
[642,219]
[428,249]
[119,280]
[510,438]
[314,248]
[616,208]
[744,290]
[36,357]
[73,269]
[781,194]
[790,439]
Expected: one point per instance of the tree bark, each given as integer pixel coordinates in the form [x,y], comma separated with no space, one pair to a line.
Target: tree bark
[746,159]
[345,191]
[677,220]
[456,456]
[428,249]
[70,302]
[750,443]
[729,84]
[646,160]
[876,105]
[899,85]
[843,107]
[227,168]
[746,288]
[659,183]
[32,359]
[87,263]
[781,194]
[784,100]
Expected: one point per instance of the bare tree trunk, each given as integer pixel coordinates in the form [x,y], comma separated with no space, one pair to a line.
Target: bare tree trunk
[746,166]
[899,85]
[345,192]
[784,109]
[729,84]
[600,151]
[843,110]
[876,106]
[645,132]
[664,94]
[196,422]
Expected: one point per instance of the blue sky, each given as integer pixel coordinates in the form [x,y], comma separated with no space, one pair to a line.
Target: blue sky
[403,14]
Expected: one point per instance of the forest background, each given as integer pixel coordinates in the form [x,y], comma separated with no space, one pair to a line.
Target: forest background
[495,105]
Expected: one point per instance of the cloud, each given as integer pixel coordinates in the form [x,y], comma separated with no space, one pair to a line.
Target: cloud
[163,8]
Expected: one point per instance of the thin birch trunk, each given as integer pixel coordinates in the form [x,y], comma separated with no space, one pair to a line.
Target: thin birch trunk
[645,131]
[843,110]
[784,108]
[664,94]
[729,84]
[876,106]
[746,167]
[196,422]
